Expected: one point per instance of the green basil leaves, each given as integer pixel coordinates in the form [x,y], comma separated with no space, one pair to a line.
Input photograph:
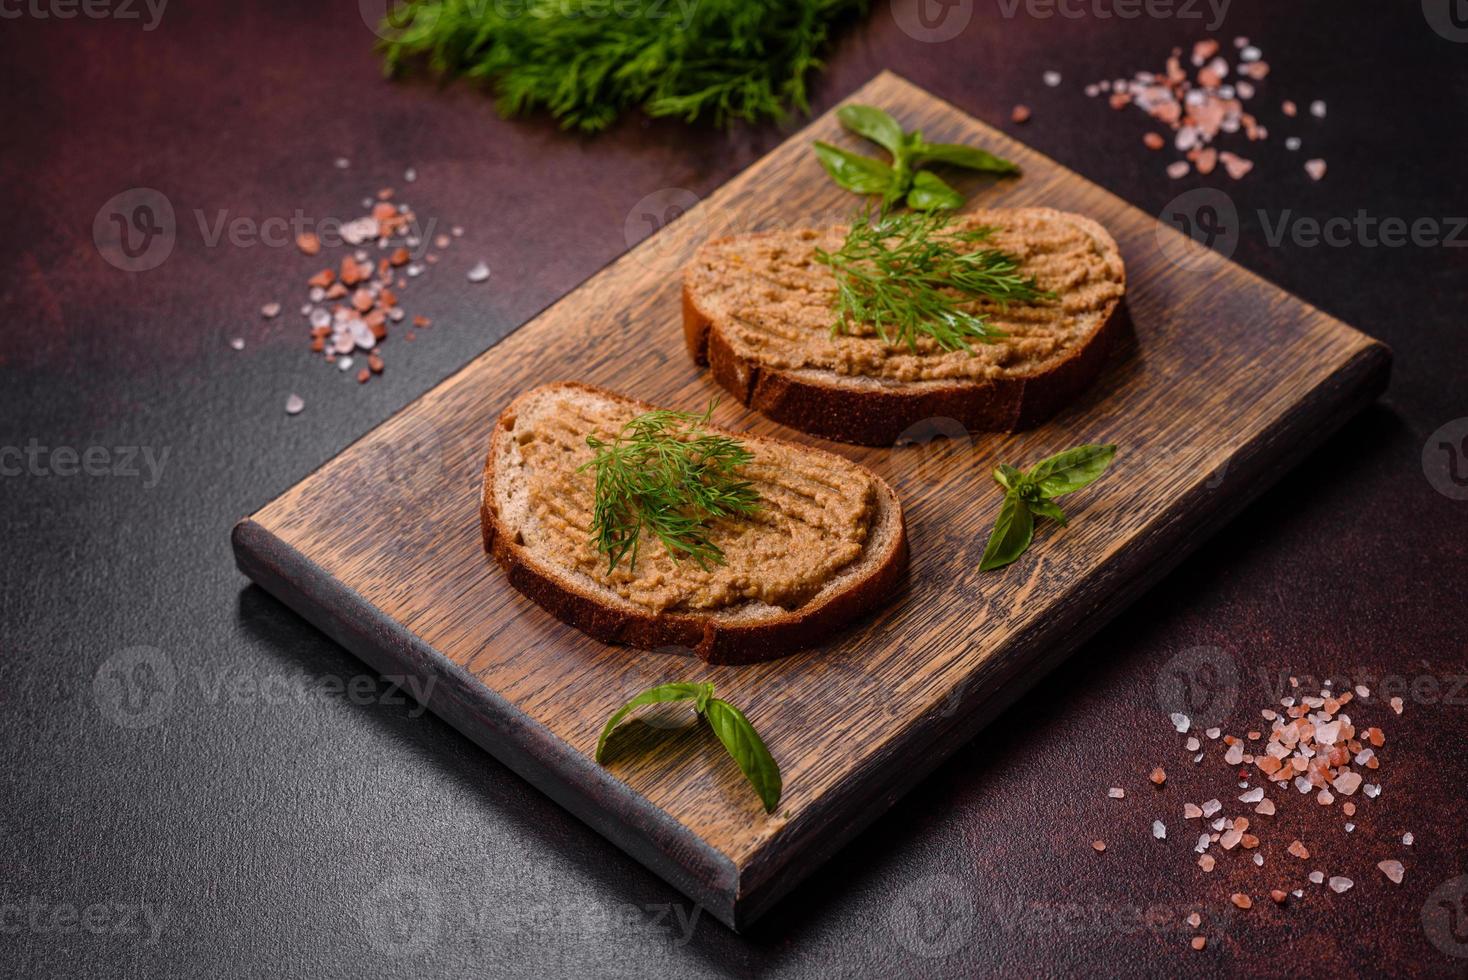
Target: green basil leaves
[730,725]
[901,180]
[1028,495]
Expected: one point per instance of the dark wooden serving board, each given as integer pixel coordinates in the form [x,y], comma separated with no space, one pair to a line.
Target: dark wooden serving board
[1224,382]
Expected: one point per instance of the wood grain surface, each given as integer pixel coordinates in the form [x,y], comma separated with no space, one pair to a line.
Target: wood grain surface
[1224,380]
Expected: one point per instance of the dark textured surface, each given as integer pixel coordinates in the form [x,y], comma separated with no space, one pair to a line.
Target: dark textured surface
[296,829]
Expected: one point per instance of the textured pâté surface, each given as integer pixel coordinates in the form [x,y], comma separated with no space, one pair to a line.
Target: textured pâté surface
[301,829]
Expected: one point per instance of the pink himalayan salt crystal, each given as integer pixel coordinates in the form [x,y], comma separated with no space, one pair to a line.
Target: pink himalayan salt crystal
[1347,783]
[1266,807]
[1315,168]
[1116,792]
[1178,169]
[1339,884]
[1190,811]
[1393,870]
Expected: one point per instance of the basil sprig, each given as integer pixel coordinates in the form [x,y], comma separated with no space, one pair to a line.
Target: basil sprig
[1029,495]
[901,179]
[729,724]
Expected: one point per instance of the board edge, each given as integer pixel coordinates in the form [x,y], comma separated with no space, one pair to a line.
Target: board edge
[643,831]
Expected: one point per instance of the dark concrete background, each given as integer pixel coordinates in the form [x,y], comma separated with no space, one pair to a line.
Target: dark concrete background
[338,833]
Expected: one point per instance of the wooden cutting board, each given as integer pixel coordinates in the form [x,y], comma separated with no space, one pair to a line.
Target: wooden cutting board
[1225,381]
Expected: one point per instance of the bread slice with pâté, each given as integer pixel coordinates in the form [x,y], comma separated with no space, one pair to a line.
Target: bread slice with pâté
[758,310]
[823,543]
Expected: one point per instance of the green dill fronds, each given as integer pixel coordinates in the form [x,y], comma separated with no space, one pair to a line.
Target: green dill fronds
[588,61]
[666,473]
[908,274]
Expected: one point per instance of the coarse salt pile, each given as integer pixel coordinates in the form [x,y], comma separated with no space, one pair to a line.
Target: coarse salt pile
[1312,746]
[351,304]
[1202,106]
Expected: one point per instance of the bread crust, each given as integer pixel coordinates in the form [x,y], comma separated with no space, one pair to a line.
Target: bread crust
[825,404]
[709,638]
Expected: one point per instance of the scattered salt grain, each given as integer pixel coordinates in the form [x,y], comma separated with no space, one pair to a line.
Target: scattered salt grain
[479,273]
[1178,169]
[294,404]
[1252,796]
[1098,846]
[1265,807]
[1339,884]
[1195,920]
[344,363]
[1372,790]
[1180,722]
[1315,168]
[1249,53]
[410,175]
[1393,870]
[1159,830]
[1116,792]
[1191,811]
[1317,109]
[1350,828]
[342,163]
[1397,705]
[1213,732]
[1211,807]
[1316,877]
[238,343]
[1019,114]
[1259,859]
[1298,892]
[1203,841]
[1052,78]
[1193,745]
[1407,838]
[270,310]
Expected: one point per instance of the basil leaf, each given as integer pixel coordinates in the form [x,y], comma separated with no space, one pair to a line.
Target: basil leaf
[744,744]
[874,124]
[1071,469]
[1048,508]
[958,155]
[1011,536]
[853,171]
[929,193]
[1008,477]
[698,693]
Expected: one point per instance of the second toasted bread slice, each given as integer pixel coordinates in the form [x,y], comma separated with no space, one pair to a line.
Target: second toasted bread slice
[758,310]
[826,543]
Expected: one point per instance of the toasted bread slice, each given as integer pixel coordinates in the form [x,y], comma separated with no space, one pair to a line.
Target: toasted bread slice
[758,310]
[825,545]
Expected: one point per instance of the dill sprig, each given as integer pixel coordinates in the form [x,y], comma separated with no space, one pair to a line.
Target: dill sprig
[588,61]
[908,274]
[666,473]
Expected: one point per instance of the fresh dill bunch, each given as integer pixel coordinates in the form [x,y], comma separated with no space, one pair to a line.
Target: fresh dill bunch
[907,274]
[588,61]
[665,472]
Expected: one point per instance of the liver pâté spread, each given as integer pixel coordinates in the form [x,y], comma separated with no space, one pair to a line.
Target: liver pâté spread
[776,301]
[813,520]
